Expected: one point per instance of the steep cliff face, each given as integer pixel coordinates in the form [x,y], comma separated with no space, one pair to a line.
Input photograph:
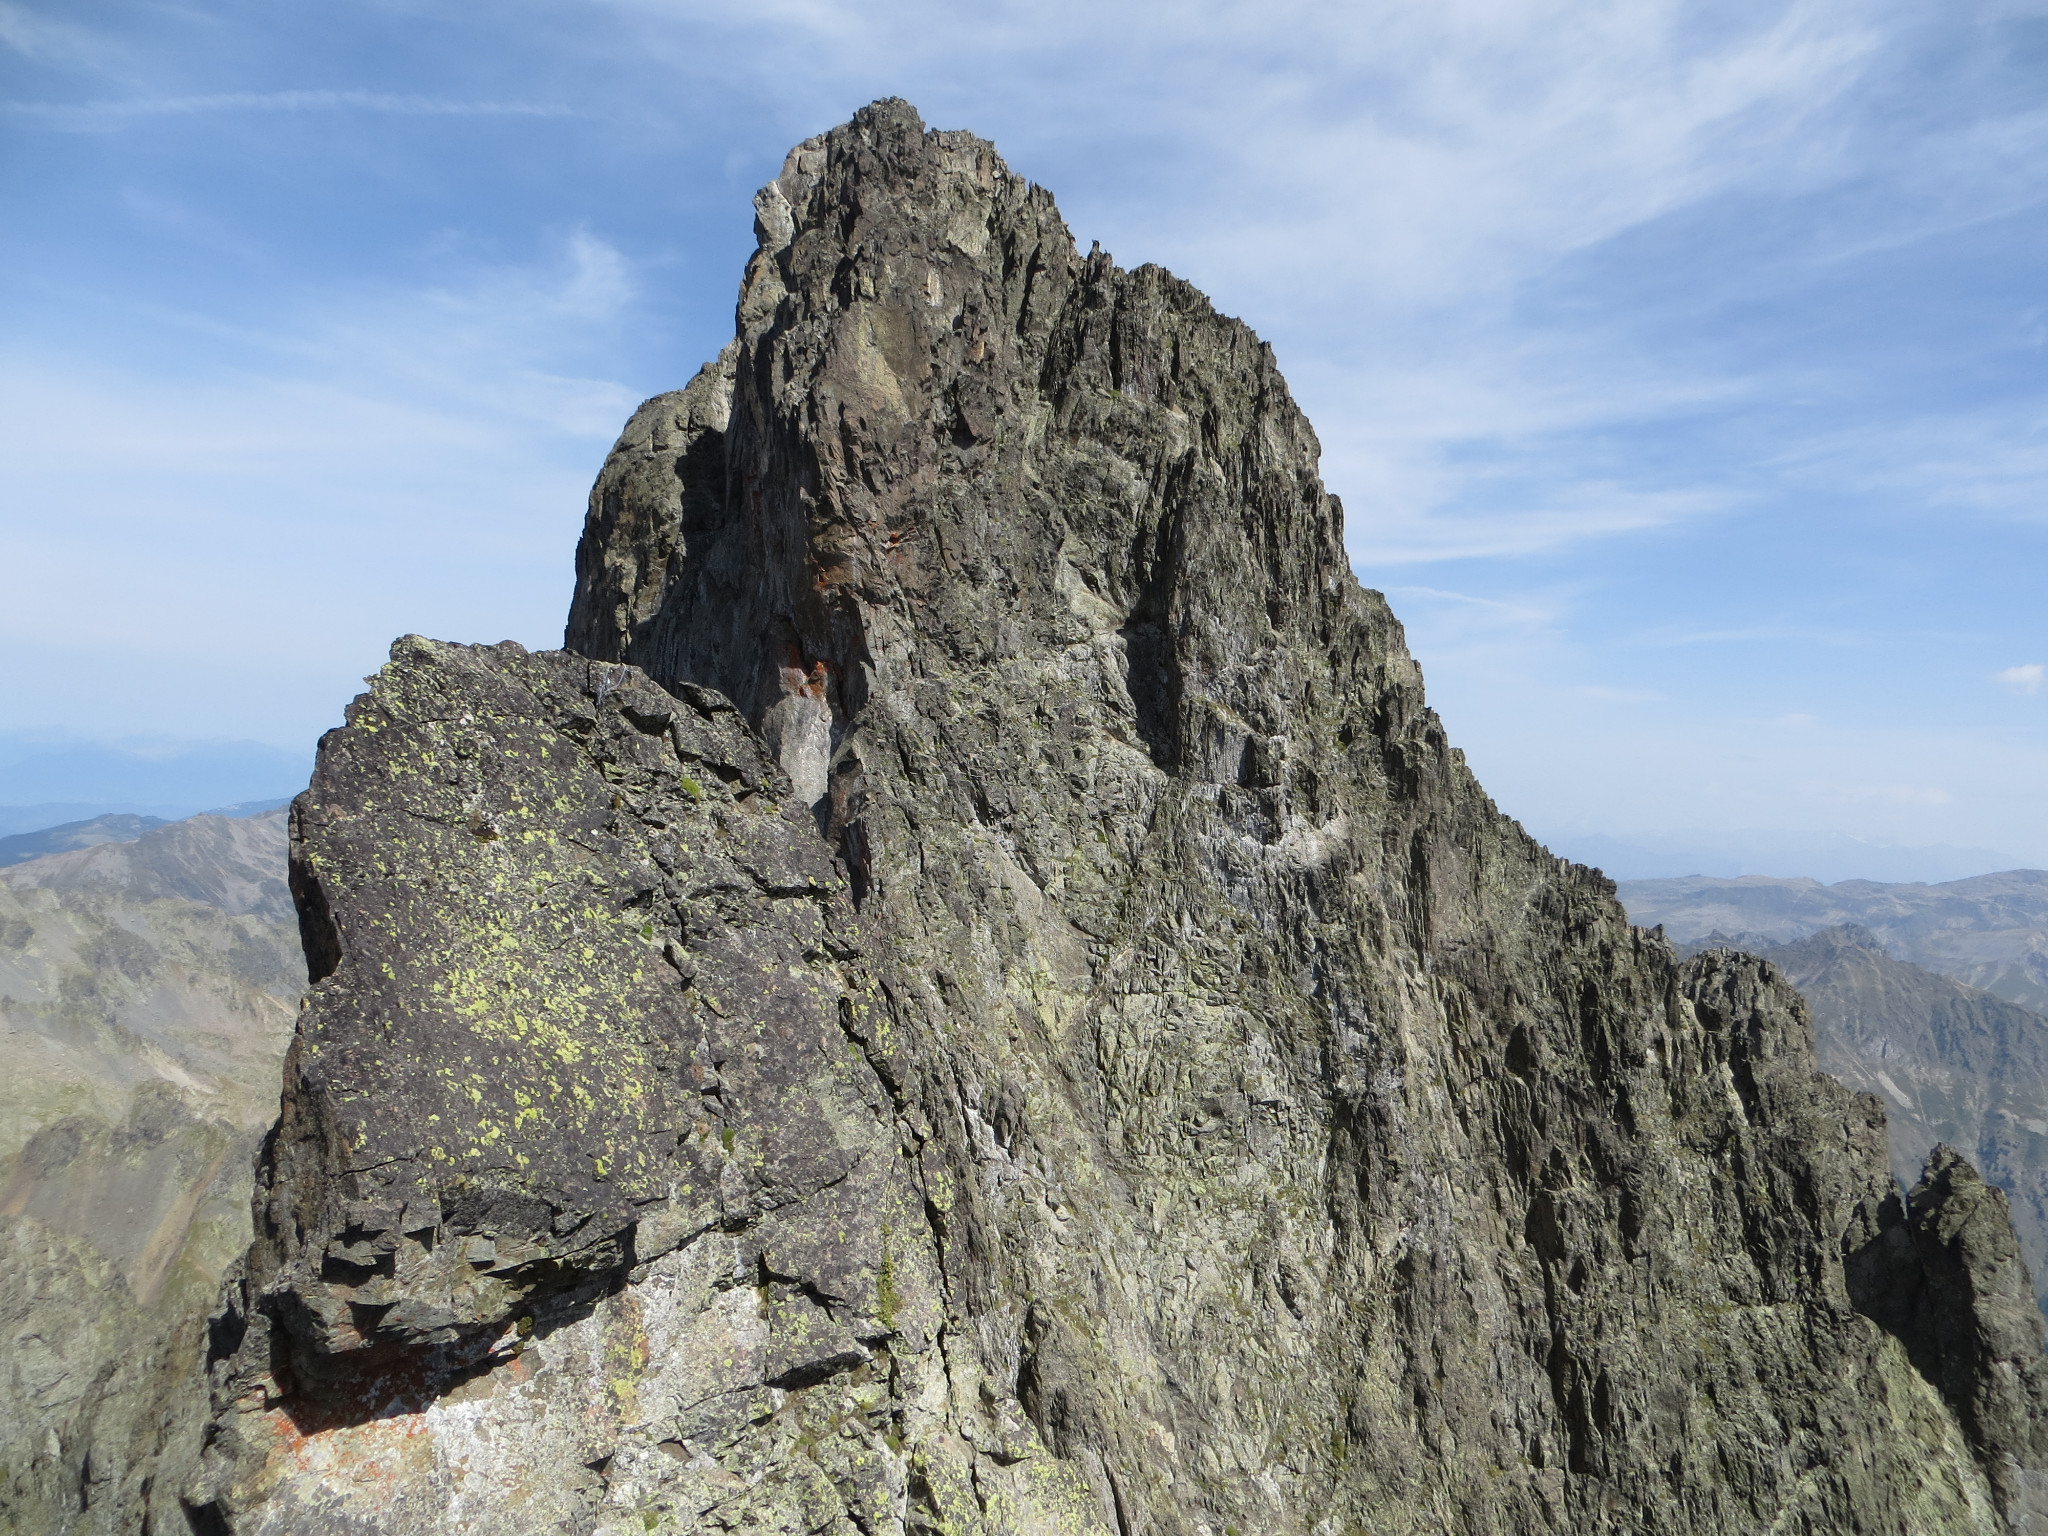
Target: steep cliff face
[1068,1045]
[1944,1274]
[1953,1066]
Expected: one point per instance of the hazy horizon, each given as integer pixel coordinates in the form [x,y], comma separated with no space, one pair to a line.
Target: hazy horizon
[50,782]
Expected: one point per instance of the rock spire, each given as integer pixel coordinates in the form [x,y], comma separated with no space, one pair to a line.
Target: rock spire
[975,994]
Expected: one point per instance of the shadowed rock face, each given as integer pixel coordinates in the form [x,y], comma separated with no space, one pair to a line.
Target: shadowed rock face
[1943,1272]
[1953,1064]
[1069,1045]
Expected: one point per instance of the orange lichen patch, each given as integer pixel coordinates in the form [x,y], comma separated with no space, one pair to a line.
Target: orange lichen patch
[380,1437]
[374,1459]
[510,1374]
[811,684]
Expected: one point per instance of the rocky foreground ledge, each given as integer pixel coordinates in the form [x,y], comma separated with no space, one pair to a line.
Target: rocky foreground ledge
[976,996]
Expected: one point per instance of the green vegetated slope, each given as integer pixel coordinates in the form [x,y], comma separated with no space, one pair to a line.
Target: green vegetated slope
[1990,931]
[147,989]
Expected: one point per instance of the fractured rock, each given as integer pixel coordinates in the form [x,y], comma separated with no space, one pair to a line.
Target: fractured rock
[977,995]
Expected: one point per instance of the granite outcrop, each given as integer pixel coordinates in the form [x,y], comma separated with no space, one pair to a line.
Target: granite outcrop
[975,994]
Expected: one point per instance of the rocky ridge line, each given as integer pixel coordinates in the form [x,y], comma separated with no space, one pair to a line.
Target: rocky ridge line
[1169,1097]
[1953,1065]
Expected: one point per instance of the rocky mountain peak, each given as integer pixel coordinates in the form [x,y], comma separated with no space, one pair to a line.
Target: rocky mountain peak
[1168,1097]
[1845,936]
[956,439]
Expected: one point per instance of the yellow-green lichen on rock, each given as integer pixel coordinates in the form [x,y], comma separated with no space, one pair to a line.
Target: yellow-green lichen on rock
[573,1094]
[1058,1041]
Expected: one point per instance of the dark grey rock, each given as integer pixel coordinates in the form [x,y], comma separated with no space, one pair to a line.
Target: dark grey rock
[1183,1102]
[575,1121]
[1952,1065]
[1944,1274]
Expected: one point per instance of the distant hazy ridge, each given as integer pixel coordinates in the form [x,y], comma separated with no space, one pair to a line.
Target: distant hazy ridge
[147,991]
[1990,931]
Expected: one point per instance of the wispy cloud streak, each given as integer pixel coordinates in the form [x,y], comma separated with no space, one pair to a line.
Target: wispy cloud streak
[1684,356]
[105,115]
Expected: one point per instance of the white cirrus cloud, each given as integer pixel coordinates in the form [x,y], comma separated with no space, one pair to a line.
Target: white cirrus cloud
[43,41]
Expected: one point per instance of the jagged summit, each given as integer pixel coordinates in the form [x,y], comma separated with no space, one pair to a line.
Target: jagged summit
[976,995]
[943,433]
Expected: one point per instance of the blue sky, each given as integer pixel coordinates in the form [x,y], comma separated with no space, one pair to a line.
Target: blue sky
[1681,367]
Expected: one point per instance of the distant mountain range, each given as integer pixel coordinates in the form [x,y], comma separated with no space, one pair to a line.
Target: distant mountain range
[45,782]
[118,827]
[1990,931]
[172,956]
[149,977]
[1825,856]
